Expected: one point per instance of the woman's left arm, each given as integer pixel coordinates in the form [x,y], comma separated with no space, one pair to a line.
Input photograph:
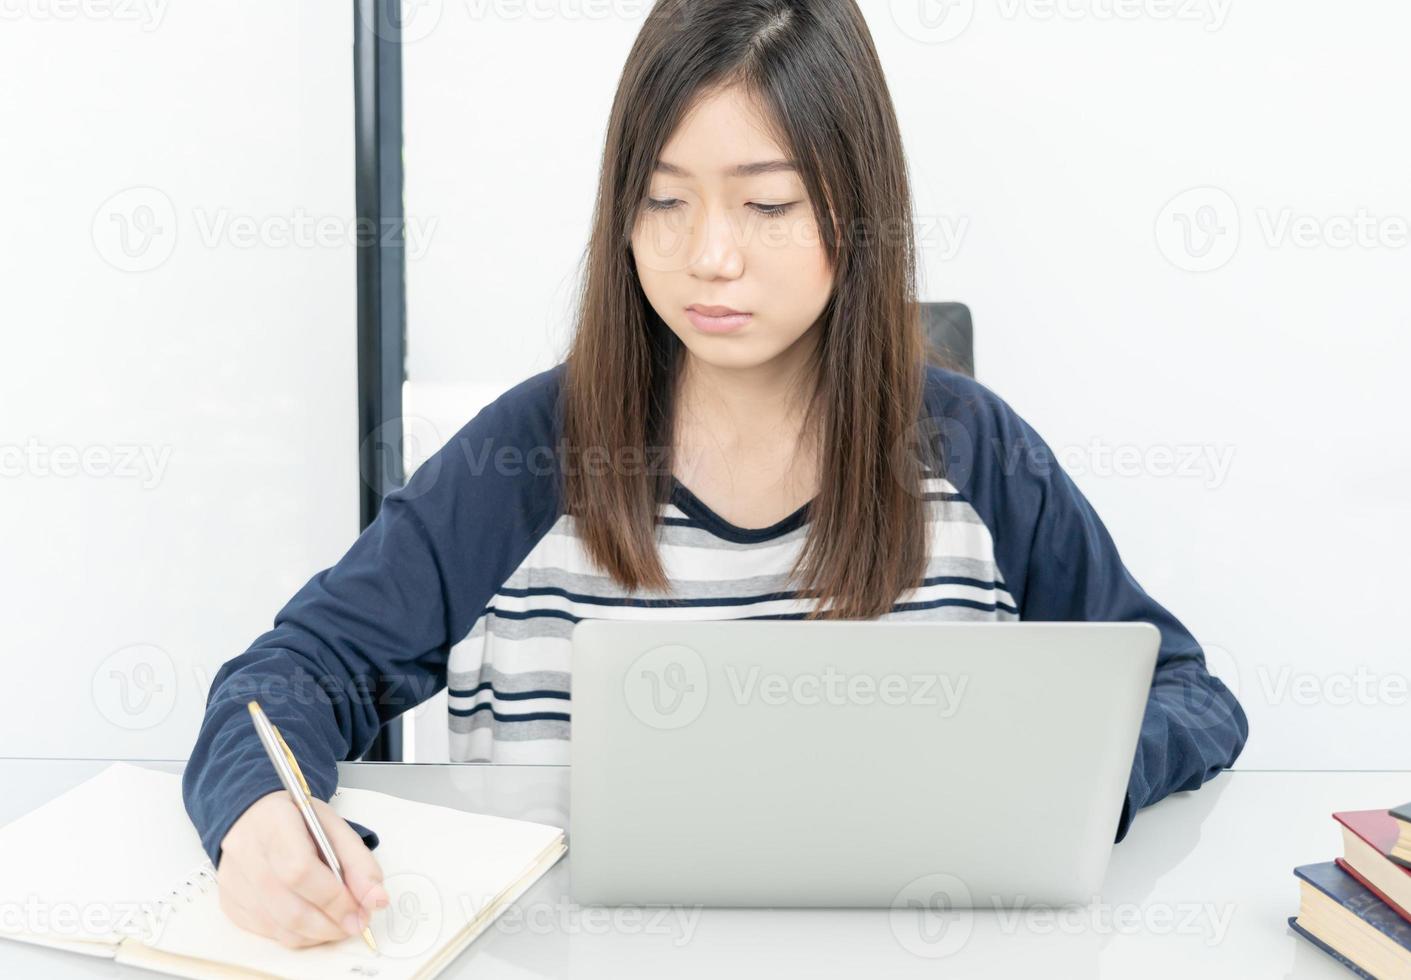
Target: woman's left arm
[1060,564]
[1193,726]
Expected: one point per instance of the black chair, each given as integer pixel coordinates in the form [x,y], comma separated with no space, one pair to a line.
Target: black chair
[950,330]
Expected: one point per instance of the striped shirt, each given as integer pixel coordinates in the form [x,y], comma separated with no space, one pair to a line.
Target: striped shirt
[509,680]
[472,578]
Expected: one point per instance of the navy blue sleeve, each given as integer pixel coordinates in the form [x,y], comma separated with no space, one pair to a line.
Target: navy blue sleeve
[1060,564]
[369,637]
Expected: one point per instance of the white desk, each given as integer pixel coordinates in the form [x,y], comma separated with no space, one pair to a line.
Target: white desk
[1201,888]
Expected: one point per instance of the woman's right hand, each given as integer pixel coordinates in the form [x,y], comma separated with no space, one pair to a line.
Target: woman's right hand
[273,882]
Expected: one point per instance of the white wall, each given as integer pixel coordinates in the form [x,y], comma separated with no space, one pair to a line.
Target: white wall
[1062,142]
[1232,402]
[216,343]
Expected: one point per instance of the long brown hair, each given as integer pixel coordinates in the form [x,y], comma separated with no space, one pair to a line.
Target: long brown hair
[812,67]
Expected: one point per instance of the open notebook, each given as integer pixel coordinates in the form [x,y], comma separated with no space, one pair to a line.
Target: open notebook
[114,868]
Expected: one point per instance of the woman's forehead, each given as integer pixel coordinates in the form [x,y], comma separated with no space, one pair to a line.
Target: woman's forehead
[724,134]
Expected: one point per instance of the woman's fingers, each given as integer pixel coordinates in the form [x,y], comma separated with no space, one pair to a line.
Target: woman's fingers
[274,883]
[295,862]
[361,872]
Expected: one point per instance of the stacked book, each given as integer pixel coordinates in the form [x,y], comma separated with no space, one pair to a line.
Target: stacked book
[1358,907]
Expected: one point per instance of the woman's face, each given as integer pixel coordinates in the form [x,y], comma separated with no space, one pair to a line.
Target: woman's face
[718,230]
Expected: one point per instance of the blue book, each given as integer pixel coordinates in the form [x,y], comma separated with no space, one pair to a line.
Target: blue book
[1348,922]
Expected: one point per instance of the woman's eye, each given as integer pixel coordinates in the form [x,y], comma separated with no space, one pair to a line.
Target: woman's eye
[772,210]
[768,210]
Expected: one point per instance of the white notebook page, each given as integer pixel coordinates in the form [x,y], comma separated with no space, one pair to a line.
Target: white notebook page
[81,864]
[123,838]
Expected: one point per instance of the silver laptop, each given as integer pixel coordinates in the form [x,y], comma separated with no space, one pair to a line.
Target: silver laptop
[851,763]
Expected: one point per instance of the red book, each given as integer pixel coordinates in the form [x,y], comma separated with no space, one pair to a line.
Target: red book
[1367,839]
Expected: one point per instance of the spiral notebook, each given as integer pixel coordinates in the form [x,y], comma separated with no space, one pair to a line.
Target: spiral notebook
[113,868]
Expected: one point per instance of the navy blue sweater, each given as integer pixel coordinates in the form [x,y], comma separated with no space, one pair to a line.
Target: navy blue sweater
[472,577]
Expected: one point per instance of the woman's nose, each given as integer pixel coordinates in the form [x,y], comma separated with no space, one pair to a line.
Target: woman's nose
[716,249]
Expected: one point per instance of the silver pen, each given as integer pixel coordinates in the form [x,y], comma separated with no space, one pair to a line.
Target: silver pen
[293,779]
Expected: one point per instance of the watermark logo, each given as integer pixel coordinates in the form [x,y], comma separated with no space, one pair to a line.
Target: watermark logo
[936,445]
[145,464]
[667,686]
[1210,464]
[941,235]
[836,688]
[135,687]
[1361,686]
[404,22]
[1221,664]
[301,229]
[677,923]
[1206,921]
[931,916]
[1283,684]
[413,919]
[946,447]
[404,446]
[1205,705]
[82,921]
[1280,227]
[135,230]
[146,14]
[933,21]
[1199,229]
[939,21]
[1209,15]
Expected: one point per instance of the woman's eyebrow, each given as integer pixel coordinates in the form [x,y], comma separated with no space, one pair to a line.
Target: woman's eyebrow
[742,170]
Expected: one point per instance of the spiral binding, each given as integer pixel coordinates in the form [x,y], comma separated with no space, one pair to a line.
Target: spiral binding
[195,884]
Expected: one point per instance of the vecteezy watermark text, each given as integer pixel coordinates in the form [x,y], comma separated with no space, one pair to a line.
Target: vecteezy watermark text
[668,687]
[147,14]
[138,229]
[1201,229]
[831,686]
[117,461]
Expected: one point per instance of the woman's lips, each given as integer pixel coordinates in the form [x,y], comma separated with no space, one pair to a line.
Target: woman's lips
[727,323]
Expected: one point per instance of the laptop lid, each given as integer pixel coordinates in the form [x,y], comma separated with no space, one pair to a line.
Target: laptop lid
[839,764]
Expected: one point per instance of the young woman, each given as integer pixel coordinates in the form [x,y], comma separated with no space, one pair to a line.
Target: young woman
[747,424]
